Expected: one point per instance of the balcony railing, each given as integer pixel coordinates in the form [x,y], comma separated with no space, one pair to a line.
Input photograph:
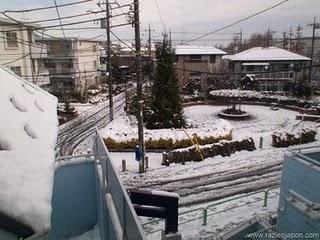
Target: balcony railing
[126,222]
[68,53]
[273,75]
[111,207]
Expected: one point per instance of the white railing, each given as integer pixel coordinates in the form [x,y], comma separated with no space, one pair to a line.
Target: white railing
[124,219]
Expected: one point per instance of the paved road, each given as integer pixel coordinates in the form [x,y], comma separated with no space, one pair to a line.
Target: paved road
[72,133]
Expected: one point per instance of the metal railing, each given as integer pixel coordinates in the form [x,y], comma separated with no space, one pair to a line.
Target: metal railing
[204,211]
[116,197]
[273,75]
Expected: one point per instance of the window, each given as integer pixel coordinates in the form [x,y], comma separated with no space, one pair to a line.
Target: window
[195,59]
[12,40]
[250,68]
[16,70]
[212,58]
[195,74]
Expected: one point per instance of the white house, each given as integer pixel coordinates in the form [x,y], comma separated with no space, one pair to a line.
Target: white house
[192,60]
[273,67]
[20,53]
[73,63]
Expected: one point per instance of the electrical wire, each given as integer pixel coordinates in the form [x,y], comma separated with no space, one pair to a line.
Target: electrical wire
[239,21]
[38,72]
[218,74]
[24,56]
[66,17]
[58,13]
[160,15]
[45,8]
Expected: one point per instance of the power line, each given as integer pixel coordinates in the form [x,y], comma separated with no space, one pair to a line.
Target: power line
[160,15]
[66,17]
[35,45]
[38,72]
[45,8]
[58,13]
[239,21]
[24,56]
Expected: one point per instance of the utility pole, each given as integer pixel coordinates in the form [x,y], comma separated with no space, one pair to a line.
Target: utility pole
[315,26]
[298,46]
[139,84]
[150,56]
[284,40]
[109,70]
[290,39]
[85,87]
[240,44]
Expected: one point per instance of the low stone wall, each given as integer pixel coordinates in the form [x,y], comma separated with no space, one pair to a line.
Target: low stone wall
[286,139]
[223,148]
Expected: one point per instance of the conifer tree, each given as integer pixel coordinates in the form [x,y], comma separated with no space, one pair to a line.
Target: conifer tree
[165,109]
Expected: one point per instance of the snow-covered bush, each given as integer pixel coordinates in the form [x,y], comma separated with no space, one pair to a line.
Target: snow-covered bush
[254,96]
[285,139]
[162,143]
[223,148]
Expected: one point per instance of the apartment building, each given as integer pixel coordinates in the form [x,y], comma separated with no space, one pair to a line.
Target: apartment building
[274,68]
[20,53]
[73,64]
[192,62]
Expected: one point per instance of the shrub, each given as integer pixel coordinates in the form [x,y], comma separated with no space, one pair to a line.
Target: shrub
[223,148]
[163,144]
[285,139]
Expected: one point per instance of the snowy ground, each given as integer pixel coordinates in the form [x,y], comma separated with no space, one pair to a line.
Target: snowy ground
[214,179]
[125,128]
[82,107]
[222,216]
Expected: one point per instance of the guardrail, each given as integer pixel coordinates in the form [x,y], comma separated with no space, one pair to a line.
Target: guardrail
[204,211]
[117,199]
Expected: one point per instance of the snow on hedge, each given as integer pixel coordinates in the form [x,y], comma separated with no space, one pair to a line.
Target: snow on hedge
[249,94]
[125,128]
[28,132]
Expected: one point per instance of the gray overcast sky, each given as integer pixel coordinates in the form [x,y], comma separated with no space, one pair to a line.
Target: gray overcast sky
[186,18]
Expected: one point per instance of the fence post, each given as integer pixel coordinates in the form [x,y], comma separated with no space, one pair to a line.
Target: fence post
[165,159]
[147,162]
[124,168]
[261,142]
[265,201]
[205,215]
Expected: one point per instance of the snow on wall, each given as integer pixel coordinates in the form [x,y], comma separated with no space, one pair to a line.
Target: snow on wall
[28,132]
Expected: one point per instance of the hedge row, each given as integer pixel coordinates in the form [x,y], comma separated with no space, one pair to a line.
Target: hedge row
[223,148]
[286,139]
[163,144]
[310,109]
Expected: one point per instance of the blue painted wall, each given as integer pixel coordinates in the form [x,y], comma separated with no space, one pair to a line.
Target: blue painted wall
[304,180]
[314,156]
[74,201]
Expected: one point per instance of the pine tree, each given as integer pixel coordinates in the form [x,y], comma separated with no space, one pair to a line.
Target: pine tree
[165,109]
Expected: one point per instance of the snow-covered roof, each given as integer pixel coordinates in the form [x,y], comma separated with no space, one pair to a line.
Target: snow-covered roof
[267,54]
[28,133]
[198,50]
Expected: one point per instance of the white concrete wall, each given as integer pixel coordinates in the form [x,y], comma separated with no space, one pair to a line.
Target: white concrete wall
[9,56]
